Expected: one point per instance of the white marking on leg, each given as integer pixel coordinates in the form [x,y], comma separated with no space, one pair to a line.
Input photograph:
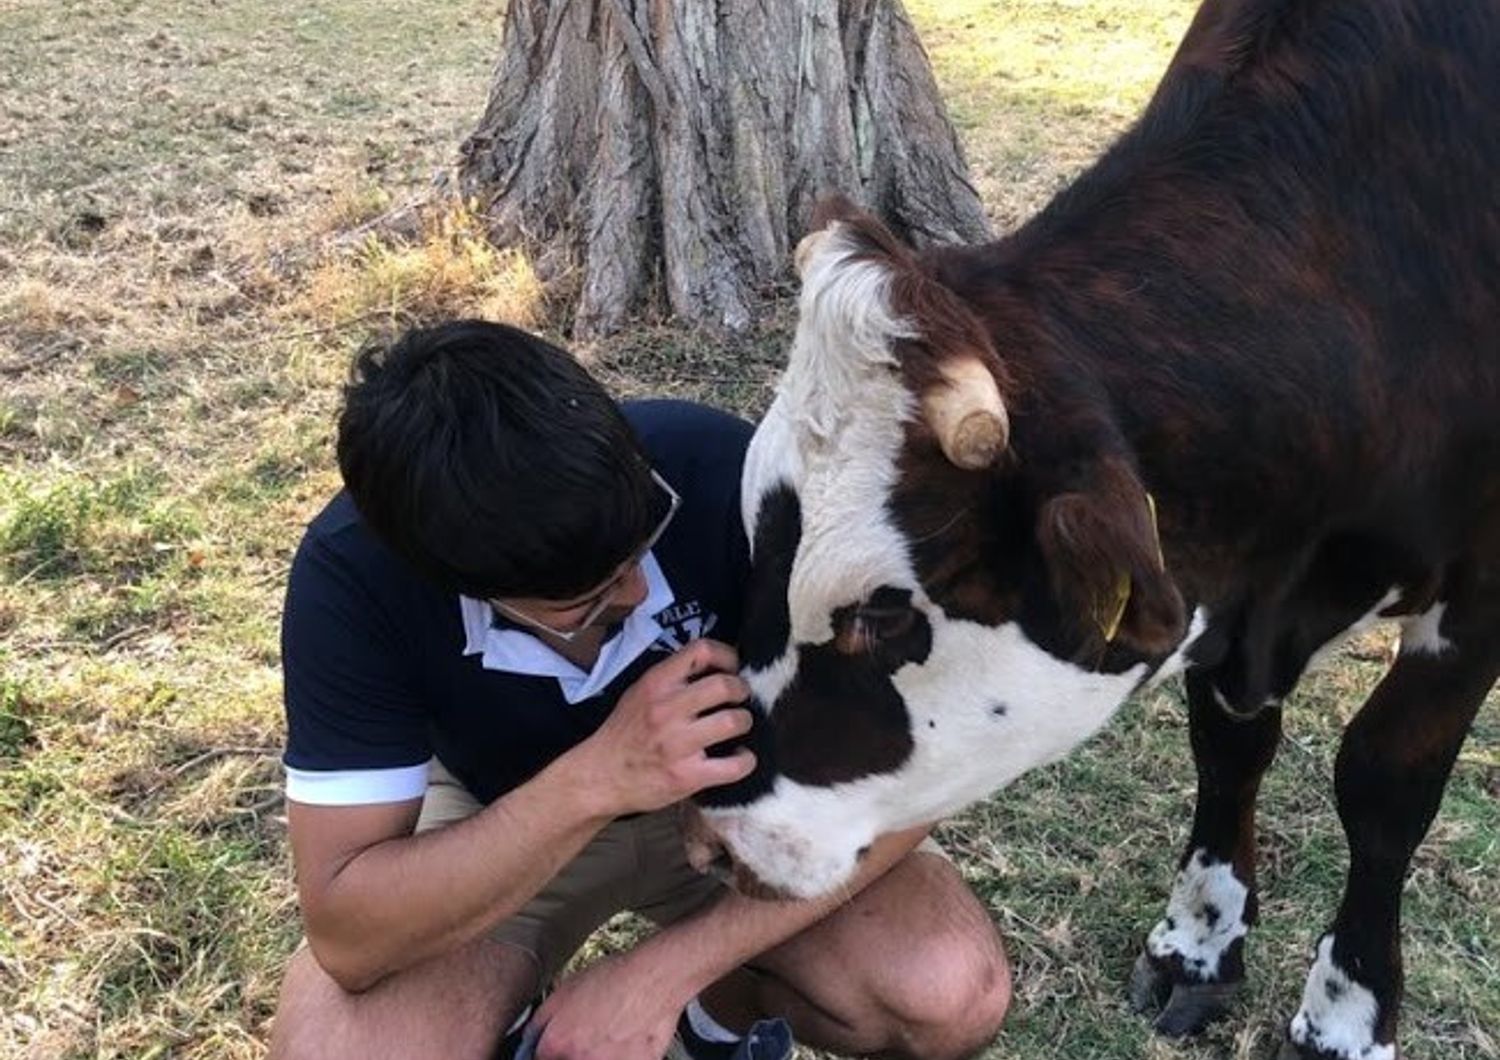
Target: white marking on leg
[1205,915]
[1338,1015]
[1422,634]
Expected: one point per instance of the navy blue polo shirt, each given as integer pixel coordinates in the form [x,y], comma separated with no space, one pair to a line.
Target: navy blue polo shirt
[383,671]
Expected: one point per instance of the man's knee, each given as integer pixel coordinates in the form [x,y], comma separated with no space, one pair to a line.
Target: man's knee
[953,996]
[448,1008]
[313,1014]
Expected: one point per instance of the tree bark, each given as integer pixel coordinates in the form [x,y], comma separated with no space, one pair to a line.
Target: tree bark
[677,146]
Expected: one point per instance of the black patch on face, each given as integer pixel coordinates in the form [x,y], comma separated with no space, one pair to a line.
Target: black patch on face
[999,710]
[1211,914]
[841,718]
[747,789]
[763,638]
[768,625]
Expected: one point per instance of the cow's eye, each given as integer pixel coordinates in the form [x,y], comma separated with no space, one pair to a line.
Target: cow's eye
[863,629]
[884,629]
[884,623]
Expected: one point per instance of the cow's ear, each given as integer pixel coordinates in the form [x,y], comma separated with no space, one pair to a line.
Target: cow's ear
[833,205]
[863,233]
[1104,558]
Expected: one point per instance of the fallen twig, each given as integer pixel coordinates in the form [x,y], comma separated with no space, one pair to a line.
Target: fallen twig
[260,806]
[122,637]
[220,752]
[384,220]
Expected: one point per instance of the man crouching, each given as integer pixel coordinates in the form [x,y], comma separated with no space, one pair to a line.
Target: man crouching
[500,686]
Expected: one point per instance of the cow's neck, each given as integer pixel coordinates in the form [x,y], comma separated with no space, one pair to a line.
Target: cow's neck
[1237,440]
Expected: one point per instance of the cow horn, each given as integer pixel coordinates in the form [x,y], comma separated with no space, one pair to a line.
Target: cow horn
[964,410]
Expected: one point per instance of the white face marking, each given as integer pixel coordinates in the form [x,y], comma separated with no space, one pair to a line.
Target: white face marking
[1205,915]
[1338,1015]
[985,706]
[1422,634]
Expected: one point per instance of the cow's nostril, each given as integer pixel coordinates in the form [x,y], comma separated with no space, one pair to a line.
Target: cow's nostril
[859,855]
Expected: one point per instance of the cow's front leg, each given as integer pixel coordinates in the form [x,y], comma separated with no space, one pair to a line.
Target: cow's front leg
[1392,767]
[1193,963]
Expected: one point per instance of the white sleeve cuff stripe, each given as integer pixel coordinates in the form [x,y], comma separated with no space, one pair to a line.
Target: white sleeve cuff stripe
[355,787]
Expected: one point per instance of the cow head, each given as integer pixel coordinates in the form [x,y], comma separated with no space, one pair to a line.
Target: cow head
[926,619]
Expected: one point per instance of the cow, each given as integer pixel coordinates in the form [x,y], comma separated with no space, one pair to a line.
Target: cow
[1231,395]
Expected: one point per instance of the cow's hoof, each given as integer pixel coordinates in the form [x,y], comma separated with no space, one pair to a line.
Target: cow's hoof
[1150,985]
[1185,1008]
[1194,1006]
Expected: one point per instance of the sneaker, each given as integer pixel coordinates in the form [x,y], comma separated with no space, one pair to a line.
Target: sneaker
[765,1040]
[520,1041]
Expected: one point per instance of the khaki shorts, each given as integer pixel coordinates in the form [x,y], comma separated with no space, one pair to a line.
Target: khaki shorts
[637,864]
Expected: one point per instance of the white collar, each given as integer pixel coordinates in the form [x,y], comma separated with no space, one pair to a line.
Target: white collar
[518,652]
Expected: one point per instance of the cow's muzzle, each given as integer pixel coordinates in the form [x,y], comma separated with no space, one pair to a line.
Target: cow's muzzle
[708,854]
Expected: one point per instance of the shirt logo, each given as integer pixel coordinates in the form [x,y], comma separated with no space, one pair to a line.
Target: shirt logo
[681,624]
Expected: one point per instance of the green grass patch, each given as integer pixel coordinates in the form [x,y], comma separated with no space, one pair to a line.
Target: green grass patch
[174,889]
[121,527]
[16,709]
[170,286]
[1038,87]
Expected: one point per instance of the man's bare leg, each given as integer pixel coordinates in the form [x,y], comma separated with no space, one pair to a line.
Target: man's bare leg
[456,1006]
[911,967]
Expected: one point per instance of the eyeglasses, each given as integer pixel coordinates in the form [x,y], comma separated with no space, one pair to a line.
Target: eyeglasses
[598,600]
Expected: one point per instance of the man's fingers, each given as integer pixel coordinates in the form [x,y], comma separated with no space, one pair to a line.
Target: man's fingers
[715,771]
[702,656]
[706,693]
[721,725]
[688,742]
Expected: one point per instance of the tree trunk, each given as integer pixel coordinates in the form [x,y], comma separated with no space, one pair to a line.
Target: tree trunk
[679,145]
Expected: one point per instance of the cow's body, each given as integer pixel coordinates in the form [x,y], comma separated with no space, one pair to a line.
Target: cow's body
[1268,322]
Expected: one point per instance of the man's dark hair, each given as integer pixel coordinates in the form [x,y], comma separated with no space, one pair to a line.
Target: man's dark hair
[493,463]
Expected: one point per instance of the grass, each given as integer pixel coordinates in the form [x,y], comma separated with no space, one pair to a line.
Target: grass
[185,268]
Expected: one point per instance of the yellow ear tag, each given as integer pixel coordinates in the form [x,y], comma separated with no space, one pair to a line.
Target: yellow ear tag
[1112,611]
[1161,559]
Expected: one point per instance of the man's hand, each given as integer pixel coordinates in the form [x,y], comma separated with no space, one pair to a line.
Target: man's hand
[609,1011]
[651,751]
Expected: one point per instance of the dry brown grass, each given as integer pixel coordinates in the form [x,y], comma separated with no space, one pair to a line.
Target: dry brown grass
[452,269]
[187,259]
[165,396]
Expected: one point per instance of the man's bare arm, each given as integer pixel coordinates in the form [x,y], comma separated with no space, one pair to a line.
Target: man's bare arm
[376,899]
[606,1011]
